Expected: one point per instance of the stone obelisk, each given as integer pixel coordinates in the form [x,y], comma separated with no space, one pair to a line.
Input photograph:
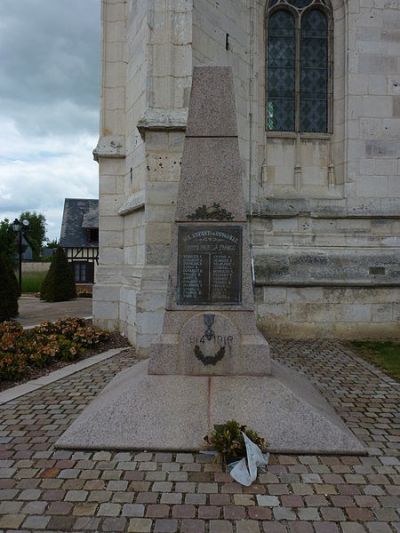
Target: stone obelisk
[210,364]
[209,325]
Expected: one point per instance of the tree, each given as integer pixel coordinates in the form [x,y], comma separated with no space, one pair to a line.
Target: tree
[52,244]
[59,283]
[35,232]
[8,290]
[8,240]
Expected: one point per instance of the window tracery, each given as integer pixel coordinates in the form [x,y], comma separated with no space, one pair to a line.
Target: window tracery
[298,65]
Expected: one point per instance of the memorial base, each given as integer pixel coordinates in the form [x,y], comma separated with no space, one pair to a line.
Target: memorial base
[174,412]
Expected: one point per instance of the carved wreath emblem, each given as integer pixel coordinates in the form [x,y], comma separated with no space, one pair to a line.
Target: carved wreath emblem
[214,212]
[209,335]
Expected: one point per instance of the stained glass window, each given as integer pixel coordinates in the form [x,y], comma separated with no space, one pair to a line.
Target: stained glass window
[281,71]
[314,72]
[298,65]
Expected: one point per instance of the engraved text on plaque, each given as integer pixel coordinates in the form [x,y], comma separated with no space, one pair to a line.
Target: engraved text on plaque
[209,264]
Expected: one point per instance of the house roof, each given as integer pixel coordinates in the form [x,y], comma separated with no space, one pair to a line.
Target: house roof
[80,214]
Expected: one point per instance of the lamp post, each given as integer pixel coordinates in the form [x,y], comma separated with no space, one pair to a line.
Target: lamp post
[18,227]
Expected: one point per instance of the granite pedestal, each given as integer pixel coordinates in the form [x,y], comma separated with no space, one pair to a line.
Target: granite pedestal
[141,411]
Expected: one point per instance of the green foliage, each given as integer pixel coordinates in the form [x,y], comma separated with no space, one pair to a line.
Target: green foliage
[227,439]
[23,350]
[385,355]
[8,240]
[9,290]
[35,232]
[59,283]
[52,244]
[32,281]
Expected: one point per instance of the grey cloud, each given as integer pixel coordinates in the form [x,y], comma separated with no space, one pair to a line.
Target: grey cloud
[49,63]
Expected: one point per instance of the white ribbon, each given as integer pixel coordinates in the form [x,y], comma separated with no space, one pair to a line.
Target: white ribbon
[245,472]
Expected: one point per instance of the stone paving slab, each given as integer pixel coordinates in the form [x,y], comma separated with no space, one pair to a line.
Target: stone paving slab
[43,489]
[33,311]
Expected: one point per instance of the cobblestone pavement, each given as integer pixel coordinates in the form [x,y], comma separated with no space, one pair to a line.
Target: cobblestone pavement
[46,490]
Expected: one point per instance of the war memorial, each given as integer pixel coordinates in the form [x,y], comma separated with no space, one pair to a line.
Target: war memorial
[210,363]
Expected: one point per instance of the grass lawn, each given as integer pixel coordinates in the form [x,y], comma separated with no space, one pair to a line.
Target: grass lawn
[384,355]
[31,281]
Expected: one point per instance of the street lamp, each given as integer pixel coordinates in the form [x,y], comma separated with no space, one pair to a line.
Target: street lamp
[18,228]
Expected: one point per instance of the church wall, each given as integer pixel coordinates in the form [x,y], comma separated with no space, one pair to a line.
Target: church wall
[324,209]
[339,236]
[110,153]
[168,81]
[329,312]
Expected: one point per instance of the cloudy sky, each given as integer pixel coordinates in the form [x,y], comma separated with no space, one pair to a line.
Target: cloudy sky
[49,105]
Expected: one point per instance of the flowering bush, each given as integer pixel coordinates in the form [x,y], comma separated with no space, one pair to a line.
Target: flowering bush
[63,340]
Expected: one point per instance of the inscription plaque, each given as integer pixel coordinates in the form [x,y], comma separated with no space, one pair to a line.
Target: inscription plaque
[209,265]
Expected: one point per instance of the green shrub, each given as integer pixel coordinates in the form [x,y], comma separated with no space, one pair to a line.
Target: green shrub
[59,284]
[9,290]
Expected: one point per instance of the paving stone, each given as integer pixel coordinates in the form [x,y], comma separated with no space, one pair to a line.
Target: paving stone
[29,494]
[84,509]
[273,527]
[244,499]
[86,523]
[207,488]
[8,507]
[139,525]
[123,497]
[301,527]
[99,496]
[134,509]
[183,511]
[157,511]
[114,524]
[162,486]
[247,526]
[359,514]
[309,514]
[36,522]
[109,509]
[283,513]
[209,512]
[259,513]
[193,526]
[36,508]
[220,526]
[378,527]
[147,497]
[166,526]
[268,501]
[61,523]
[352,527]
[218,499]
[363,493]
[76,495]
[174,498]
[12,521]
[325,527]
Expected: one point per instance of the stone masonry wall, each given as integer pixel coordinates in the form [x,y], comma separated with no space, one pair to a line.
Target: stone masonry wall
[329,312]
[325,216]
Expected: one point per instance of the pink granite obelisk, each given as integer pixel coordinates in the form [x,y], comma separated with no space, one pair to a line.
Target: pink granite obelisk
[209,325]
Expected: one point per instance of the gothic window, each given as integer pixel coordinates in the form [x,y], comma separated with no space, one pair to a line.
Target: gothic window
[298,66]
